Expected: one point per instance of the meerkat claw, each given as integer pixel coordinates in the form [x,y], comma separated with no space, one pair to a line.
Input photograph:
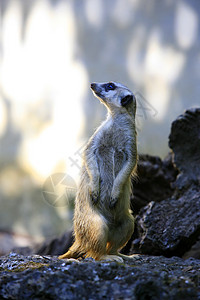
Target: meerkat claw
[110,258]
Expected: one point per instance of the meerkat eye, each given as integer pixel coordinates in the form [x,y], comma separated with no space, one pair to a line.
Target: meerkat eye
[109,86]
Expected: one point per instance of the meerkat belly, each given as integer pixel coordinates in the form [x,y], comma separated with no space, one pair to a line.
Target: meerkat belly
[110,162]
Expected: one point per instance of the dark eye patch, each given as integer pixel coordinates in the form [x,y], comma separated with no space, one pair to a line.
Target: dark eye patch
[109,86]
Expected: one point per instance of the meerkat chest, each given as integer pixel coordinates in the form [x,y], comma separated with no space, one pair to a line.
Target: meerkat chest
[111,144]
[114,135]
[110,139]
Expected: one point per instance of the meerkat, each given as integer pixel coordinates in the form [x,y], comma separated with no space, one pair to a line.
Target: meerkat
[103,222]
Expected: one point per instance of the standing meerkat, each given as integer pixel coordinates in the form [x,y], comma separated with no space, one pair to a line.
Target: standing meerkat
[103,222]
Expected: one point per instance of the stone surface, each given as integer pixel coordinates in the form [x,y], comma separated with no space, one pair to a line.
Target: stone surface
[56,246]
[154,181]
[194,251]
[172,226]
[146,277]
[184,140]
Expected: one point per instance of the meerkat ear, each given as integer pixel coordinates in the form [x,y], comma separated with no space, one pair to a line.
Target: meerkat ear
[126,100]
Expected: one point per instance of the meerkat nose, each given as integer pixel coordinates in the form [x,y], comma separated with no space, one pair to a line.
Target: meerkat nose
[93,86]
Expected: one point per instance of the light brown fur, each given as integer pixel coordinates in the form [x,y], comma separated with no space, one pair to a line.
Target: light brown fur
[103,222]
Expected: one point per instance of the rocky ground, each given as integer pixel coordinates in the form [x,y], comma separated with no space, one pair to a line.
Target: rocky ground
[166,205]
[146,277]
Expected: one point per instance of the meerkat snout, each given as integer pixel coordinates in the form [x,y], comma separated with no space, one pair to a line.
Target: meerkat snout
[92,86]
[96,89]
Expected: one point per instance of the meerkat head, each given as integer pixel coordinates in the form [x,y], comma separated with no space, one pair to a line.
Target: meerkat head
[115,96]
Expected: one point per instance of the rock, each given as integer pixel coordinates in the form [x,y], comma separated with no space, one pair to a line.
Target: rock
[146,277]
[154,182]
[194,251]
[184,140]
[172,226]
[55,246]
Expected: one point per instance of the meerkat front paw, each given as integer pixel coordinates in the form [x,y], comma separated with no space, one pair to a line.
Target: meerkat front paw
[94,197]
[94,192]
[113,202]
[114,198]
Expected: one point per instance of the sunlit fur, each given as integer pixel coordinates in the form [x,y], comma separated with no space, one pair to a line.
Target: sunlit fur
[103,222]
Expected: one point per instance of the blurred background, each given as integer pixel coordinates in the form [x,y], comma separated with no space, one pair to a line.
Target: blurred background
[50,52]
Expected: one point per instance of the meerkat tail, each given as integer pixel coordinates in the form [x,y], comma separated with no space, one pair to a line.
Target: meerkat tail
[73,252]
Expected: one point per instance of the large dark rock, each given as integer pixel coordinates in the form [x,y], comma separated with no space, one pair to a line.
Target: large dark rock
[36,277]
[184,140]
[154,181]
[172,226]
